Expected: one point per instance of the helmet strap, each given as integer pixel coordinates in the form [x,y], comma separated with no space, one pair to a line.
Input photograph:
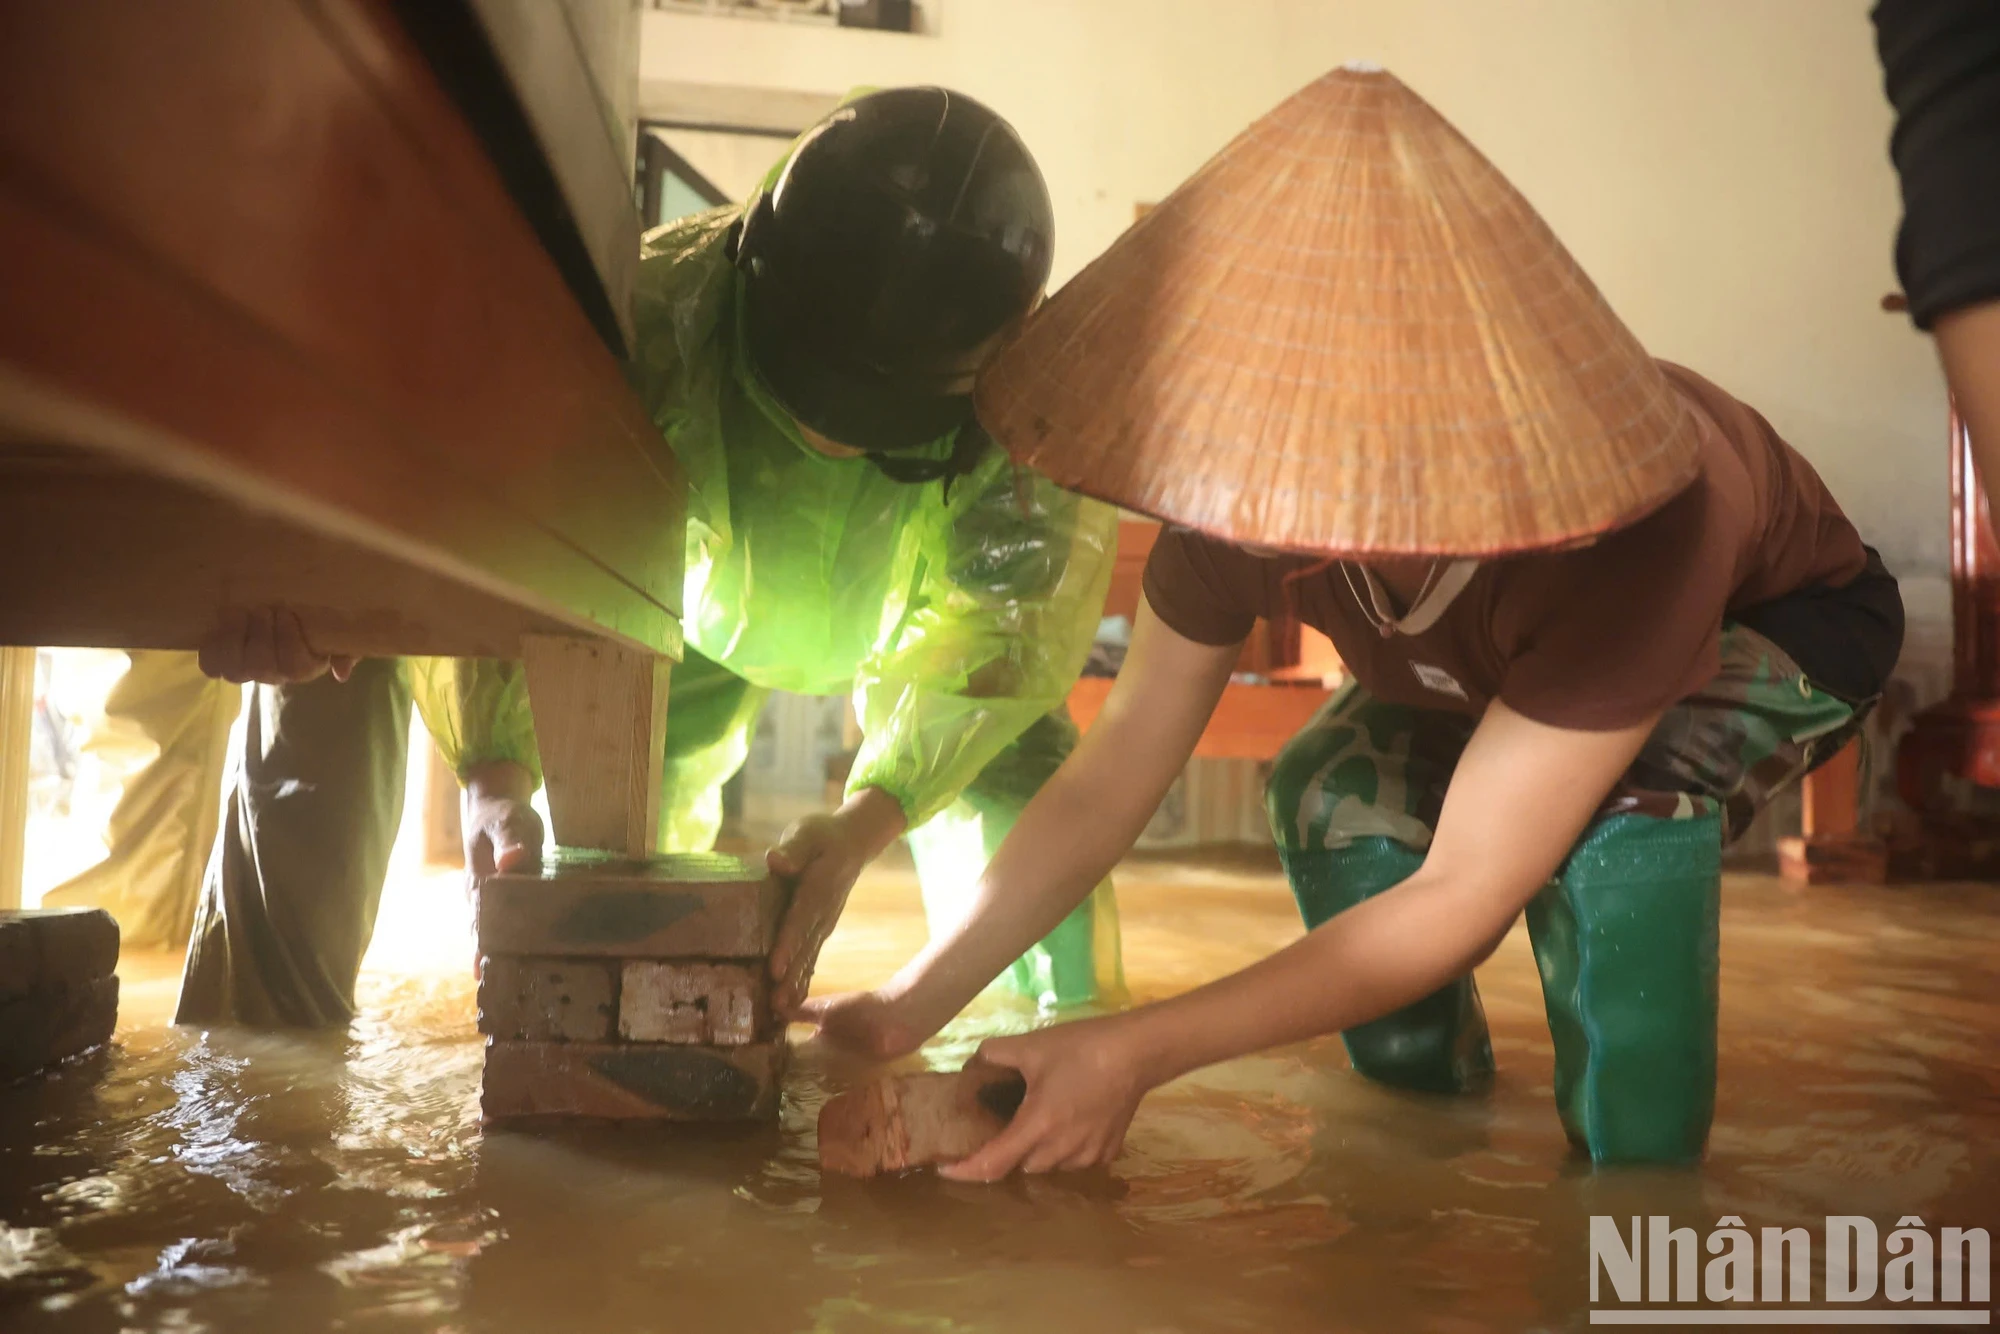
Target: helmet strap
[967,448]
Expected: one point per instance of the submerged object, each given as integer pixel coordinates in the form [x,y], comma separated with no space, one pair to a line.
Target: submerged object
[906,1121]
[58,993]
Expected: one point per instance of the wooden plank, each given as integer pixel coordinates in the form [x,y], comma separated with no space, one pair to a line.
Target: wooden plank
[17,721]
[111,557]
[305,206]
[1250,722]
[1830,796]
[1832,848]
[631,1081]
[700,907]
[601,722]
[444,834]
[163,380]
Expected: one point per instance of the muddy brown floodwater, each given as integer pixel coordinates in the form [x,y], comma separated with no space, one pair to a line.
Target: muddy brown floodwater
[192,1180]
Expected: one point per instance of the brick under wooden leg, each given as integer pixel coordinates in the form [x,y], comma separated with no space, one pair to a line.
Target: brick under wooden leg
[630,989]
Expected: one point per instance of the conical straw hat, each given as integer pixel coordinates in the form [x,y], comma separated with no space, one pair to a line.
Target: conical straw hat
[1347,333]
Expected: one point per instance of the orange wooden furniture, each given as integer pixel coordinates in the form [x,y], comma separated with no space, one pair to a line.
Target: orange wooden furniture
[1831,846]
[273,330]
[1252,721]
[1948,767]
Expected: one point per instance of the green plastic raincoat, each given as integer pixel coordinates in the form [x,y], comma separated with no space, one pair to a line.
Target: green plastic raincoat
[959,617]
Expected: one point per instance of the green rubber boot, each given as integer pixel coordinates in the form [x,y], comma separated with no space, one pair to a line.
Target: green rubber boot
[1626,941]
[1439,1044]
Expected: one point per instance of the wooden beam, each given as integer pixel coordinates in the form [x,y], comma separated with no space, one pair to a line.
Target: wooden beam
[107,557]
[341,318]
[444,836]
[17,721]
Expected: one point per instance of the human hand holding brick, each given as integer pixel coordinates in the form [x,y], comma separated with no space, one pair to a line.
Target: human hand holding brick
[901,1122]
[818,860]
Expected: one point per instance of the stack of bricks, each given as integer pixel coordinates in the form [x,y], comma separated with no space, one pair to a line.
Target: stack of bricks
[630,990]
[58,994]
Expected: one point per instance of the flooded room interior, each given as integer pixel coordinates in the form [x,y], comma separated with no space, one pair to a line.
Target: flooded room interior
[998,665]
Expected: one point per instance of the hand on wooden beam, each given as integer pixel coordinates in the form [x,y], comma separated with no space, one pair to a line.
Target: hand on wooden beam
[266,645]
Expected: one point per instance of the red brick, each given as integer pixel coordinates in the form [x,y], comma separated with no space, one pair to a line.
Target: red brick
[704,907]
[631,1081]
[907,1121]
[565,1000]
[722,1004]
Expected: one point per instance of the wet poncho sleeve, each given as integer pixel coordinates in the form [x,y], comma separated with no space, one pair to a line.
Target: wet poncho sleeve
[1008,593]
[477,711]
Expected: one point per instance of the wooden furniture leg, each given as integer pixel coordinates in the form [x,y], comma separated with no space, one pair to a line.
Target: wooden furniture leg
[444,835]
[601,721]
[633,988]
[17,720]
[1948,768]
[1832,847]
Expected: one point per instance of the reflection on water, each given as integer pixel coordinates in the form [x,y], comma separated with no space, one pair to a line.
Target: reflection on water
[220,1180]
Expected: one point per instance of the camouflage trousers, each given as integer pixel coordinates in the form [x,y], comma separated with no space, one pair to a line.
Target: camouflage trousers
[1626,934]
[1363,767]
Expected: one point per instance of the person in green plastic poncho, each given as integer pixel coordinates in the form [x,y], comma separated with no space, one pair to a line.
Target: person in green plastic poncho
[809,357]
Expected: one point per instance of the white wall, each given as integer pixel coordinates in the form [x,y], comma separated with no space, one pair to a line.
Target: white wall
[1719,166]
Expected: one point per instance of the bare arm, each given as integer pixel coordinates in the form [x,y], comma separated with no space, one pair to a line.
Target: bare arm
[1085,817]
[1522,793]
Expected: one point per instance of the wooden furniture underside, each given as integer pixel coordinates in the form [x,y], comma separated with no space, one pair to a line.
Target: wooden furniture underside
[273,331]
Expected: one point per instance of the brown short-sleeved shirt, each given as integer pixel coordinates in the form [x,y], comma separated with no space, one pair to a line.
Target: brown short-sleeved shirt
[1596,638]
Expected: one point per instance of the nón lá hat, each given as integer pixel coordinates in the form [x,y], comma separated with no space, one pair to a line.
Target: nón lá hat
[1347,333]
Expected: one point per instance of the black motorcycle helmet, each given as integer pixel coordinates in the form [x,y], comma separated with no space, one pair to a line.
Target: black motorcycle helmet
[906,237]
